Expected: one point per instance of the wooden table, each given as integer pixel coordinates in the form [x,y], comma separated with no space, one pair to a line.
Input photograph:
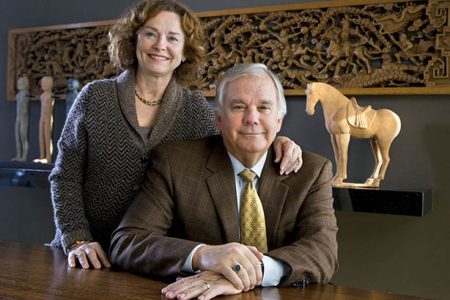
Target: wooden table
[39,272]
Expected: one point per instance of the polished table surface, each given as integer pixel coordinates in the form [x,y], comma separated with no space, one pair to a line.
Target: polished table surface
[40,272]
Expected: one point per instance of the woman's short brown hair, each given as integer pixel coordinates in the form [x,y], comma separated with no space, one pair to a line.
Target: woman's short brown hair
[122,49]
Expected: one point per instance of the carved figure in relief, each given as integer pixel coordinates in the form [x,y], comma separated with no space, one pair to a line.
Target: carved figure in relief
[344,119]
[46,121]
[91,61]
[341,49]
[22,119]
[72,92]
[405,49]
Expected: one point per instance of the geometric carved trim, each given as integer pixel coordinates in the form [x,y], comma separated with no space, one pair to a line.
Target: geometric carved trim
[438,69]
[360,47]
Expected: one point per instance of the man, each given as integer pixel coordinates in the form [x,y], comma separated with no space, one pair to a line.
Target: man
[198,212]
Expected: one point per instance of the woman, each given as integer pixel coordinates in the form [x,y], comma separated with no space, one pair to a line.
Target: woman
[115,123]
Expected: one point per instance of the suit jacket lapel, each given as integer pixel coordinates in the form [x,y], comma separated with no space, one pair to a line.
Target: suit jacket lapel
[273,193]
[222,187]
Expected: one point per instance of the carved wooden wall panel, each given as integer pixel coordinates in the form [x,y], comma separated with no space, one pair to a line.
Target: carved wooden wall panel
[361,47]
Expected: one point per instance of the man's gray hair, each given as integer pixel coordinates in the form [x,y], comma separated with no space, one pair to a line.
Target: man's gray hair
[245,70]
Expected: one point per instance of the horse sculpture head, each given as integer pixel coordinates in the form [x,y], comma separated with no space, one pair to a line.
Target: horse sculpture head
[311,98]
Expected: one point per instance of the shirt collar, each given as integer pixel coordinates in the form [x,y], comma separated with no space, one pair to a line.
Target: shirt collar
[238,166]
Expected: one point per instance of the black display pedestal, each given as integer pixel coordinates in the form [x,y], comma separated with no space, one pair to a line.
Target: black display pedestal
[410,203]
[34,175]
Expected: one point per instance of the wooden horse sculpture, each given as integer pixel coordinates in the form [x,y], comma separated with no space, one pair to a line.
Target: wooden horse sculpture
[345,119]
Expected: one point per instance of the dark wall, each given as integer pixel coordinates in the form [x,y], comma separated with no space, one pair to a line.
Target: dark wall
[398,254]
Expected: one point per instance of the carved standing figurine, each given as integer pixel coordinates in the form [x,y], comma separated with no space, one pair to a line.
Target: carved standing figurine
[344,118]
[46,121]
[72,87]
[21,129]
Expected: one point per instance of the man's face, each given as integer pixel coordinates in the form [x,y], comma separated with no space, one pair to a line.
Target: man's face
[249,121]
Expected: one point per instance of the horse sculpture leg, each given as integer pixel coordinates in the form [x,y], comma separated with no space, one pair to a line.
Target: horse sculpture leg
[336,157]
[384,148]
[374,179]
[340,146]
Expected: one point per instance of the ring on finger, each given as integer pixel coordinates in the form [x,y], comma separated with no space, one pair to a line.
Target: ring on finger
[207,285]
[236,267]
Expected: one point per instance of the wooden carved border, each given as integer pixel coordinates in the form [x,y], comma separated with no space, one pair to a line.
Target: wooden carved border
[360,46]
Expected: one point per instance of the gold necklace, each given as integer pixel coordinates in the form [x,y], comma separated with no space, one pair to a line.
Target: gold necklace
[146,102]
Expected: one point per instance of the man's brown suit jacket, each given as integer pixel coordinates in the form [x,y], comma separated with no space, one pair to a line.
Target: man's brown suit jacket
[188,197]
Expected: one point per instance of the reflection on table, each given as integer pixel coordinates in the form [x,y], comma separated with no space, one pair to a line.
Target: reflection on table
[40,272]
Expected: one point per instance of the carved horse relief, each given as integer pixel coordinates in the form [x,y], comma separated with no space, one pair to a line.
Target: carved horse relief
[344,119]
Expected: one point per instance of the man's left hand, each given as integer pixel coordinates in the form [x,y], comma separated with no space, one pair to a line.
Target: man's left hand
[203,286]
[289,153]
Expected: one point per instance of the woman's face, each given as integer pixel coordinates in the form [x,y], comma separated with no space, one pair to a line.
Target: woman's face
[160,44]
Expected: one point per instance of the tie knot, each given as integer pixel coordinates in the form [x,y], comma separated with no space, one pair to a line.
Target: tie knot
[248,175]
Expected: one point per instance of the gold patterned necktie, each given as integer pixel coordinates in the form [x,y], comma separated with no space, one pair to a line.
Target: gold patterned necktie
[253,224]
